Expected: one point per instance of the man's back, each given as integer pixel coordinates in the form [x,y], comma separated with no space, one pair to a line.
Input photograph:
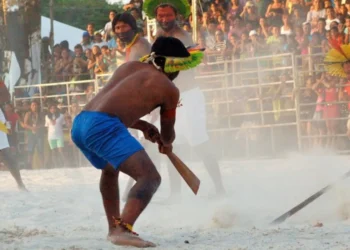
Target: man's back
[134,90]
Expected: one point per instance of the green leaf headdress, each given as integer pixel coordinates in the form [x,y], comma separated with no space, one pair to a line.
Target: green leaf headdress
[174,64]
[182,6]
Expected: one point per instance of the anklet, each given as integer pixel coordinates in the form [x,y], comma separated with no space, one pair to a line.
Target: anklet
[126,226]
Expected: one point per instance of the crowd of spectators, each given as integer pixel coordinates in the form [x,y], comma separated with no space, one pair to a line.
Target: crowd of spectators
[228,29]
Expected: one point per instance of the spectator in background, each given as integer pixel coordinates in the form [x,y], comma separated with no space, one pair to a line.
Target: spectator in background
[133,4]
[296,18]
[136,13]
[262,6]
[286,28]
[34,123]
[234,10]
[54,120]
[101,64]
[86,41]
[249,15]
[98,40]
[316,12]
[90,62]
[90,28]
[13,118]
[79,70]
[321,28]
[274,13]
[257,45]
[63,68]
[307,96]
[331,17]
[108,30]
[331,109]
[274,40]
[125,28]
[74,110]
[65,45]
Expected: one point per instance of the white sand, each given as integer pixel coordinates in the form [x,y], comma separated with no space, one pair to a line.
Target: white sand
[64,209]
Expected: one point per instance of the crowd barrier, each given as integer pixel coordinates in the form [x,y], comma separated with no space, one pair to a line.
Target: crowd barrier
[249,101]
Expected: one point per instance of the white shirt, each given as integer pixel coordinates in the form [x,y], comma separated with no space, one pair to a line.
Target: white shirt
[55,130]
[108,28]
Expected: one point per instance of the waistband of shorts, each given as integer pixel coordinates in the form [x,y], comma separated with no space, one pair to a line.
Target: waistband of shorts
[97,113]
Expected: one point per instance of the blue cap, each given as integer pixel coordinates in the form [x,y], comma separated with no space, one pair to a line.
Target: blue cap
[85,34]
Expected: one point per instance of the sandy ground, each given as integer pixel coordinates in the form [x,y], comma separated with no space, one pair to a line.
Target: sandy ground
[64,209]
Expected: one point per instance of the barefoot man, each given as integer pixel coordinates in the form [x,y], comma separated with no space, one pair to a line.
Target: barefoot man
[5,155]
[191,125]
[101,131]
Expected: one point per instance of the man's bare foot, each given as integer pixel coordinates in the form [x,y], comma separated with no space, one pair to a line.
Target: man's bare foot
[22,188]
[124,238]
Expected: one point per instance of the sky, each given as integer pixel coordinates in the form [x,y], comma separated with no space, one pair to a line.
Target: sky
[116,1]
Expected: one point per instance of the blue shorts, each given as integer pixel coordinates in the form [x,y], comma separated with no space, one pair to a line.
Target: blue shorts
[103,139]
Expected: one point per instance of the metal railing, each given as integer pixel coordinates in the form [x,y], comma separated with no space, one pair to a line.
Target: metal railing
[245,98]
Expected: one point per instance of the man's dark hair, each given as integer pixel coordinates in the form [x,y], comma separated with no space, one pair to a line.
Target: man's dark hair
[165,5]
[78,46]
[170,47]
[137,11]
[64,44]
[127,18]
[334,28]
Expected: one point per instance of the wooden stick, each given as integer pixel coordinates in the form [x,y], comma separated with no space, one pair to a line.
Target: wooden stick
[306,202]
[190,178]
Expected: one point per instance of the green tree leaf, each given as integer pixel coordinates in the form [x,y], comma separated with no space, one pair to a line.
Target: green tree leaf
[79,13]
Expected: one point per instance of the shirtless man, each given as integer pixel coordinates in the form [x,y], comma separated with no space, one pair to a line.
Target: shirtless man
[192,115]
[5,155]
[125,28]
[101,132]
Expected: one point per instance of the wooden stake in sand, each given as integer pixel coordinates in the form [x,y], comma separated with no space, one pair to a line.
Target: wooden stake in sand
[306,202]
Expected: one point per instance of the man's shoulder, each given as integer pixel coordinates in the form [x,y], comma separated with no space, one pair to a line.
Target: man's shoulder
[143,44]
[184,37]
[142,41]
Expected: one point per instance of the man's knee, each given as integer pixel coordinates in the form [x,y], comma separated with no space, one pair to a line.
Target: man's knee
[147,186]
[156,179]
[7,158]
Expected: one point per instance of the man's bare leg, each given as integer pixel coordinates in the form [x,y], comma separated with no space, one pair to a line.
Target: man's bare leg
[131,181]
[140,167]
[109,189]
[212,166]
[10,163]
[128,188]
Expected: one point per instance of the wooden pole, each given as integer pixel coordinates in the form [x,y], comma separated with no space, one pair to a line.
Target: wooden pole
[194,21]
[52,41]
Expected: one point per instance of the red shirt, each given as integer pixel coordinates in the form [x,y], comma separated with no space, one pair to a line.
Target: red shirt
[347,91]
[12,118]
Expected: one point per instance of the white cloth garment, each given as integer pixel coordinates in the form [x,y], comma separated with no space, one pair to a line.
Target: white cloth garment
[4,143]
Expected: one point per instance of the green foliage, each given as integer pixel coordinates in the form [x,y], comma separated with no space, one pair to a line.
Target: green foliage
[79,13]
